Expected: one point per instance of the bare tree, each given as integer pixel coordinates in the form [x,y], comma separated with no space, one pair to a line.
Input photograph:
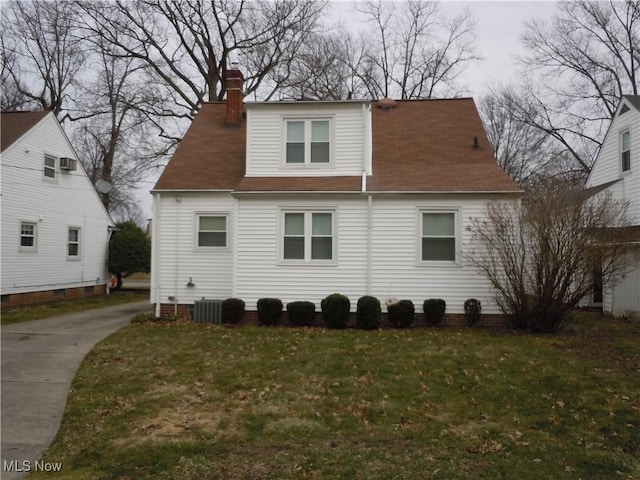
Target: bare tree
[580,64]
[189,44]
[525,152]
[119,141]
[323,69]
[44,57]
[412,50]
[540,254]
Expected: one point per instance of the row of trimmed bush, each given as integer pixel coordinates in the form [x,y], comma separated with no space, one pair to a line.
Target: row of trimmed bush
[336,307]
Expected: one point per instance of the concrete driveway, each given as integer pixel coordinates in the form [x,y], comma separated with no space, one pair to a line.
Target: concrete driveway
[39,361]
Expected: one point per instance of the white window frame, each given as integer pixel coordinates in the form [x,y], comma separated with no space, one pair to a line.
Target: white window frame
[28,248]
[196,235]
[78,243]
[307,141]
[457,231]
[46,168]
[622,151]
[308,236]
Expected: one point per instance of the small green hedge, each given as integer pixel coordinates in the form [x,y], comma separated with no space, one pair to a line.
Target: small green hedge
[232,310]
[269,311]
[301,314]
[434,309]
[368,313]
[335,310]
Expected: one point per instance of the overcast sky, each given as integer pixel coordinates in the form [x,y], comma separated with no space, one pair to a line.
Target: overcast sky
[499,26]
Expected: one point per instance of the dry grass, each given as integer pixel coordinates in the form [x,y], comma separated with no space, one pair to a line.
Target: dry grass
[202,403]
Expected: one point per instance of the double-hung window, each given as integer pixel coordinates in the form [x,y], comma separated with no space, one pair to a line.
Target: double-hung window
[211,230]
[27,236]
[438,236]
[308,141]
[49,166]
[308,236]
[73,243]
[625,141]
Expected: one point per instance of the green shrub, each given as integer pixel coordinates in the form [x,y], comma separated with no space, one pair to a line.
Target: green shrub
[434,310]
[335,310]
[401,314]
[301,314]
[232,310]
[269,311]
[368,313]
[472,311]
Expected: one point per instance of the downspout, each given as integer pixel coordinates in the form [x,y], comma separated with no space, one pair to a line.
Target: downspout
[369,242]
[177,264]
[367,167]
[155,248]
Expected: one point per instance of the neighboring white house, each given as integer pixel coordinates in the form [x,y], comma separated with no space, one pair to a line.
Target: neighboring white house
[55,230]
[298,200]
[617,170]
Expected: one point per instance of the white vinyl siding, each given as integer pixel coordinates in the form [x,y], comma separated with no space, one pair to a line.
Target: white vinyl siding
[261,270]
[609,164]
[51,207]
[176,257]
[334,140]
[397,268]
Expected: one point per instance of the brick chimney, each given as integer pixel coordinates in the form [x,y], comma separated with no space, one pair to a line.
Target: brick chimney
[234,82]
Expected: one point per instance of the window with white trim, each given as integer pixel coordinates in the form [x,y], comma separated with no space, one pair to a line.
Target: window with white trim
[73,242]
[28,236]
[438,236]
[308,236]
[308,141]
[211,230]
[625,147]
[49,166]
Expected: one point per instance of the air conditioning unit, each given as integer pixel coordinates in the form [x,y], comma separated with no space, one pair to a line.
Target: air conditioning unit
[207,311]
[67,163]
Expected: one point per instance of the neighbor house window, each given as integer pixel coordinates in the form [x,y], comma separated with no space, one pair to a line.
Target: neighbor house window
[27,236]
[308,142]
[73,242]
[438,237]
[49,166]
[212,230]
[626,151]
[308,236]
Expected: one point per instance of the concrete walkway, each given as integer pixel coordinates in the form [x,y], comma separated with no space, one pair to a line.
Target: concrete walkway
[39,360]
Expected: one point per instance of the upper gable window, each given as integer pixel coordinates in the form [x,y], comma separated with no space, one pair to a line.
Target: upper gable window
[308,141]
[626,151]
[49,166]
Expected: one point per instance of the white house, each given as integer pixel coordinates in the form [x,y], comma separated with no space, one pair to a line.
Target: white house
[617,170]
[55,230]
[298,200]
